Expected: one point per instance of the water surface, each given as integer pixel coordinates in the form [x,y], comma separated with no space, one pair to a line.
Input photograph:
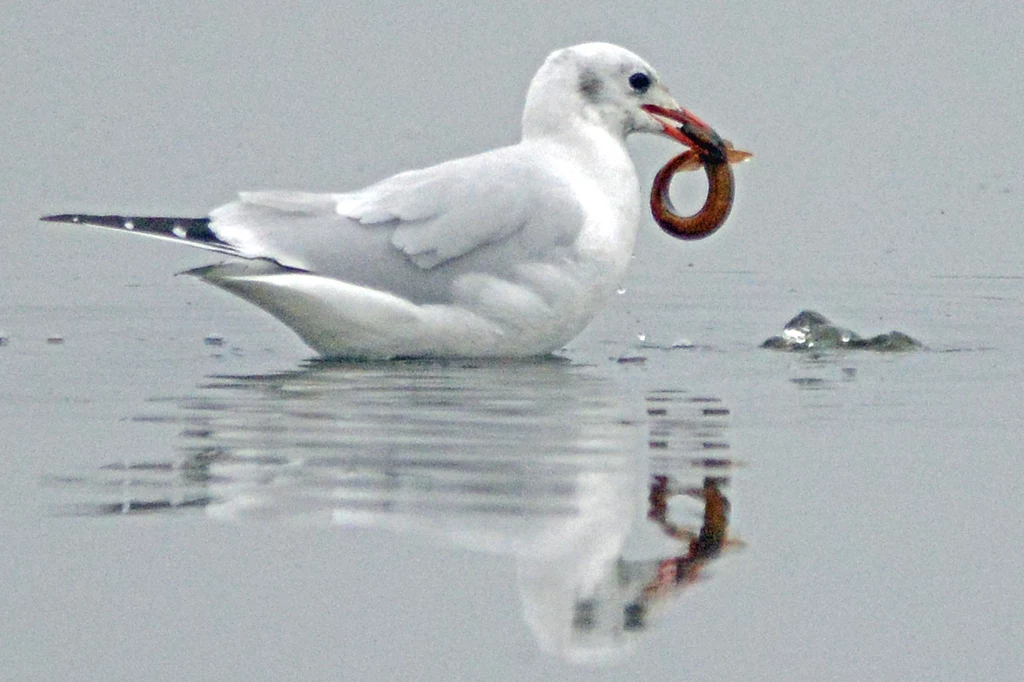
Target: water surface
[175,507]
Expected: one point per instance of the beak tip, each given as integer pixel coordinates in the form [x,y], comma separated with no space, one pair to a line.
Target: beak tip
[689,130]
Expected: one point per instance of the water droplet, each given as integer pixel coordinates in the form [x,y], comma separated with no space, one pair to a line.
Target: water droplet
[76,219]
[683,343]
[620,290]
[129,225]
[641,336]
[179,232]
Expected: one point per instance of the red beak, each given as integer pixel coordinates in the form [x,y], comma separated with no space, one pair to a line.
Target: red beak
[684,127]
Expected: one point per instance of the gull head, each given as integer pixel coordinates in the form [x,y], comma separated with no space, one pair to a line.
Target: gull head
[607,86]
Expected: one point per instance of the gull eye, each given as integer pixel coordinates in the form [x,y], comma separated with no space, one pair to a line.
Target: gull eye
[640,82]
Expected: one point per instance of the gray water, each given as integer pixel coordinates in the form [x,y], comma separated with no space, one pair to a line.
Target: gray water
[185,495]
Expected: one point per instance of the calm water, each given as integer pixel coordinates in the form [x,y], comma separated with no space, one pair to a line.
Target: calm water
[464,518]
[185,495]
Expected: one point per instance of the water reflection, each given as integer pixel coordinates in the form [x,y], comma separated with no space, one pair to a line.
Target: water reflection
[553,464]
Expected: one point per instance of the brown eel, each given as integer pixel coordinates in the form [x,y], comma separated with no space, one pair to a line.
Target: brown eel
[716,206]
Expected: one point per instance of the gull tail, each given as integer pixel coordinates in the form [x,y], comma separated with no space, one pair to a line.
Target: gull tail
[192,231]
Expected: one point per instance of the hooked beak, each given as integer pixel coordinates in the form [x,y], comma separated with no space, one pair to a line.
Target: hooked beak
[684,127]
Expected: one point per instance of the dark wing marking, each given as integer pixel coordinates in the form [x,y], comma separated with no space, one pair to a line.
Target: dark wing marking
[194,231]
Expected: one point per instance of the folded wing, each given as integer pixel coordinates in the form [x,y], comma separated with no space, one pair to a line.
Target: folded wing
[428,217]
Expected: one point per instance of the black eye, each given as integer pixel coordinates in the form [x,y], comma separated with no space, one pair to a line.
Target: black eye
[640,82]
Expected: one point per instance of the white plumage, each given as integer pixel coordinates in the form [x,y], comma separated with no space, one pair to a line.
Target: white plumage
[506,253]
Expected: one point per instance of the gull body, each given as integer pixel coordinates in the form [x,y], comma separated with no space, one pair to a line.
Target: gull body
[506,253]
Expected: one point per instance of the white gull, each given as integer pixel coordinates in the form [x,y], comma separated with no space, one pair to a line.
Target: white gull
[506,253]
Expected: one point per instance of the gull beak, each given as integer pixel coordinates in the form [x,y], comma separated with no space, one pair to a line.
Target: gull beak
[684,127]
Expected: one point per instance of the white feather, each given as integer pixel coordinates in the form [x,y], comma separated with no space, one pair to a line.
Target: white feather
[506,253]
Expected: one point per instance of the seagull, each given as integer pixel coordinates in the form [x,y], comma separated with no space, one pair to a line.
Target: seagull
[507,253]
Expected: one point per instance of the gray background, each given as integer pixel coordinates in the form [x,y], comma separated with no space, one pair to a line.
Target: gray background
[886,191]
[848,107]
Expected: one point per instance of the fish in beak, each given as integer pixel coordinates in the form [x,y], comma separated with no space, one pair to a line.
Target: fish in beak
[684,127]
[707,150]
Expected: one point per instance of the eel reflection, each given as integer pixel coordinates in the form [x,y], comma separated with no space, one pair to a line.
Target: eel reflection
[645,586]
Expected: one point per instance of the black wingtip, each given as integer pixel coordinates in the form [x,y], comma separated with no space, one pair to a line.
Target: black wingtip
[88,219]
[194,231]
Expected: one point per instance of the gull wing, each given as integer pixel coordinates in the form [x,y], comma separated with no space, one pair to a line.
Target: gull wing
[430,216]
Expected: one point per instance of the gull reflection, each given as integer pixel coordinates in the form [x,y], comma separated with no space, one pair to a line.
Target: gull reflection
[553,464]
